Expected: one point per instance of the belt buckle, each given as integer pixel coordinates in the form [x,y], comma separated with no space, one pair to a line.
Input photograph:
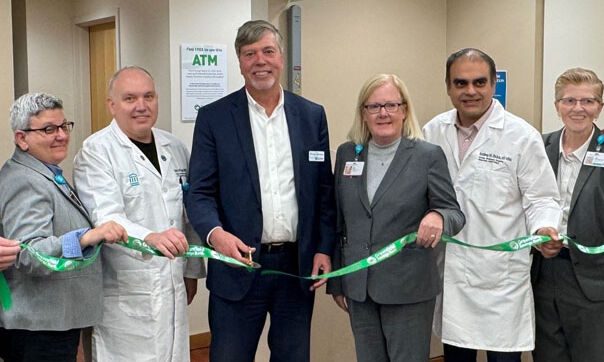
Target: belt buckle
[274,245]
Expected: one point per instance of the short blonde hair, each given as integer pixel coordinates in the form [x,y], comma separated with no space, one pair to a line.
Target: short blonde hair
[577,76]
[359,132]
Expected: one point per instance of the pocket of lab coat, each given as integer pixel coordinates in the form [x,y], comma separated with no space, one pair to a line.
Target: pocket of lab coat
[133,199]
[490,189]
[487,269]
[137,293]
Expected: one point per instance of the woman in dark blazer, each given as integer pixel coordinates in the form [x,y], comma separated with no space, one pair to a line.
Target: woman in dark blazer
[569,288]
[390,183]
[39,208]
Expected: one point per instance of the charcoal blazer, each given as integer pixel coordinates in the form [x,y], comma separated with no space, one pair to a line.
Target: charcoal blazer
[225,186]
[584,223]
[416,182]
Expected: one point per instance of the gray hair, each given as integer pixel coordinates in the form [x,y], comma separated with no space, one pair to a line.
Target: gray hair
[30,105]
[119,72]
[251,31]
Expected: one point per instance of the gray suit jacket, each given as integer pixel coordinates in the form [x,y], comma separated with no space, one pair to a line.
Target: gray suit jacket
[416,182]
[37,211]
[584,220]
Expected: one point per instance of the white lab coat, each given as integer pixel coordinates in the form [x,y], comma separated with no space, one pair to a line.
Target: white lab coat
[506,189]
[145,301]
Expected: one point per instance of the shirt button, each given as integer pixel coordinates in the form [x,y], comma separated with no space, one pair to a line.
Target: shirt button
[171,222]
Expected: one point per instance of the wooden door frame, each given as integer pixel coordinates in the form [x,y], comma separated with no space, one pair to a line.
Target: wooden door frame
[81,64]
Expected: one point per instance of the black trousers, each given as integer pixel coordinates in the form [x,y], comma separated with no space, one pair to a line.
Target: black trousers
[459,354]
[569,325]
[19,345]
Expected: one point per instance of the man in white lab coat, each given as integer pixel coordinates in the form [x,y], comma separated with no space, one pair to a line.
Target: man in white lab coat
[506,189]
[136,175]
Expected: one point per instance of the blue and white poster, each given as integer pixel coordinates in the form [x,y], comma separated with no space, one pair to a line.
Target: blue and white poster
[501,87]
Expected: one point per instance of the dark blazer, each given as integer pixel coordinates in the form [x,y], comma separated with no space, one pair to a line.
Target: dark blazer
[416,182]
[225,188]
[584,222]
[36,210]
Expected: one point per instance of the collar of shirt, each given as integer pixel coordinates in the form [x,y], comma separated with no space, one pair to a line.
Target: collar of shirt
[476,125]
[56,170]
[256,107]
[580,152]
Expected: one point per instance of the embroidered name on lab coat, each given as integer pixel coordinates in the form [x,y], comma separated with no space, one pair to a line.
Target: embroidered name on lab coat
[493,158]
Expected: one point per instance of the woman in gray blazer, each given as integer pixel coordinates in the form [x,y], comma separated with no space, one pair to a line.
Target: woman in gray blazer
[390,183]
[39,207]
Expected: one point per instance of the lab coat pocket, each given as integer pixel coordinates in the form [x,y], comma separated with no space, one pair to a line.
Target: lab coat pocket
[137,293]
[488,270]
[133,196]
[490,189]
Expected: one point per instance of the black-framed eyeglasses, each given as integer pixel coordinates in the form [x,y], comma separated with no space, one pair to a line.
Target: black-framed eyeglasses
[390,107]
[67,127]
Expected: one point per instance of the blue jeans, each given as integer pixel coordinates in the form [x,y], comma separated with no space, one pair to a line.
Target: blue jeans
[236,326]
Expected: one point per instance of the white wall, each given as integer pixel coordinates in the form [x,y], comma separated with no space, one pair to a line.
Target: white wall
[573,37]
[202,21]
[50,59]
[6,79]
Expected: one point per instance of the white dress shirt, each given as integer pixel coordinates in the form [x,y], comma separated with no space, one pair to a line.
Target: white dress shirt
[276,172]
[569,166]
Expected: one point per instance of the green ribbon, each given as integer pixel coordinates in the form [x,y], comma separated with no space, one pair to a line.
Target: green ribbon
[197,251]
[57,264]
[6,301]
[396,246]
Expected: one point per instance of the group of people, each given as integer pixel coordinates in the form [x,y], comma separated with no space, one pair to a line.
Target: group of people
[259,186]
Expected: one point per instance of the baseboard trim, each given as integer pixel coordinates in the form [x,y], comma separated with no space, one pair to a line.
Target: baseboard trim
[200,340]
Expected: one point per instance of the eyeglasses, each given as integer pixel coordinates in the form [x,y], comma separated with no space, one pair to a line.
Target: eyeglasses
[586,102]
[67,127]
[390,107]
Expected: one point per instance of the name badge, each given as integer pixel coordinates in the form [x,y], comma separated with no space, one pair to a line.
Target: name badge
[353,168]
[595,159]
[316,156]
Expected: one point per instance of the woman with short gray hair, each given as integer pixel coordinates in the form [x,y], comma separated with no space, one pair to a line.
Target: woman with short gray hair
[39,208]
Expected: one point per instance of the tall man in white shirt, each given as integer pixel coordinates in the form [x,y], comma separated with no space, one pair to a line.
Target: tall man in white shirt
[506,189]
[261,183]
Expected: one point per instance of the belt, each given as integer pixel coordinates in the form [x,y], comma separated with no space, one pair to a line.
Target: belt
[276,247]
[564,254]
